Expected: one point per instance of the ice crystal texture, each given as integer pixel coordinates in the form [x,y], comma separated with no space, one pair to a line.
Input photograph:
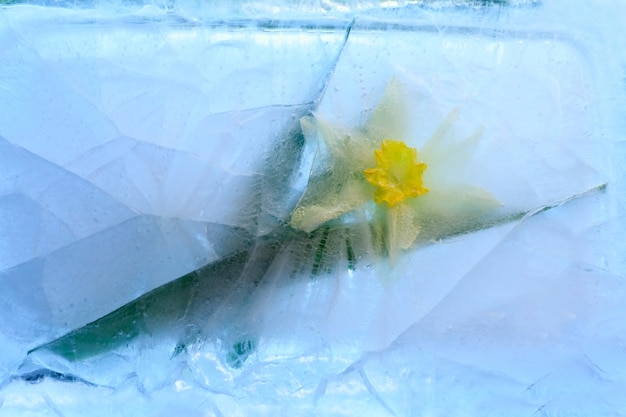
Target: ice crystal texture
[151,156]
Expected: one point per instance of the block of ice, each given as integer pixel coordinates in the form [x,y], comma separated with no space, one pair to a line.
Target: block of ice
[55,223]
[130,157]
[523,318]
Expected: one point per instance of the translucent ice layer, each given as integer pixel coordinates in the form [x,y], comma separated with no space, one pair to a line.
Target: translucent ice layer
[152,157]
[132,157]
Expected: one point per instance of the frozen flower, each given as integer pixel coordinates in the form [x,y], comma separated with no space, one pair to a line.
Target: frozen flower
[404,192]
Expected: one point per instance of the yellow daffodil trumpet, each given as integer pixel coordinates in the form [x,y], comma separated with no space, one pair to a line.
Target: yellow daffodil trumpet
[398,175]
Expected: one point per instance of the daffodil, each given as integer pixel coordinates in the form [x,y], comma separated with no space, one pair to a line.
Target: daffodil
[405,193]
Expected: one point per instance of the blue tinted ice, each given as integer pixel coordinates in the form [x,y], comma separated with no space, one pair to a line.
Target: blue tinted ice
[151,157]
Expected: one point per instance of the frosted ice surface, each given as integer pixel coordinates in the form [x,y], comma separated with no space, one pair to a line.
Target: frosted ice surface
[148,162]
[46,207]
[125,168]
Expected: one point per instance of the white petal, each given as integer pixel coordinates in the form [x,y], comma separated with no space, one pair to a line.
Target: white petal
[454,210]
[389,120]
[327,201]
